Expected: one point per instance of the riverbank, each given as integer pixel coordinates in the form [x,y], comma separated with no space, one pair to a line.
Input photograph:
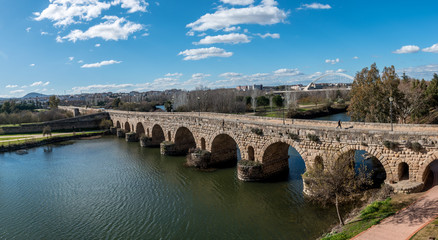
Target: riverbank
[373,212]
[15,145]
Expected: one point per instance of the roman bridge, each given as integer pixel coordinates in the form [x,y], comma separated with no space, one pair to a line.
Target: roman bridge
[408,152]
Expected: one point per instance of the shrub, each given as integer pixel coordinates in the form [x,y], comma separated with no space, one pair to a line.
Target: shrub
[257,131]
[249,163]
[416,147]
[313,137]
[390,145]
[294,136]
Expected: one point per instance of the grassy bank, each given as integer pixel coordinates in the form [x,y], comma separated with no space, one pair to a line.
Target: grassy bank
[371,215]
[430,230]
[23,141]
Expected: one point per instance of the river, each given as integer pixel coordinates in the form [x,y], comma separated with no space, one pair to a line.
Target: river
[335,117]
[110,189]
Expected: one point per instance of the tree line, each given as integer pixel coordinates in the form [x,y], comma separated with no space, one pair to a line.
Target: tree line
[373,95]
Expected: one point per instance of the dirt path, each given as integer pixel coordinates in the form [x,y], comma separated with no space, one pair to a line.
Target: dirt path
[407,222]
[7,138]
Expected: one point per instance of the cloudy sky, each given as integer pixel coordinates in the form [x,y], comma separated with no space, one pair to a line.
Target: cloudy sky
[74,46]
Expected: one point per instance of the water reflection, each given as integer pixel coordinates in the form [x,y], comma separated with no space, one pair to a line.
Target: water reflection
[107,188]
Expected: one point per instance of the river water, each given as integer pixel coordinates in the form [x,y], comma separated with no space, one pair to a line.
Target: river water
[110,189]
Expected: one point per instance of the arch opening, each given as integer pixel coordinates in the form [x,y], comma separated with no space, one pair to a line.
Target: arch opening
[371,165]
[127,127]
[282,161]
[224,151]
[430,175]
[403,171]
[203,143]
[169,136]
[157,135]
[319,163]
[184,140]
[118,125]
[140,129]
[251,156]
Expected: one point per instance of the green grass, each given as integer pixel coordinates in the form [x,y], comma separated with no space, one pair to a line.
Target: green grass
[430,230]
[371,215]
[44,138]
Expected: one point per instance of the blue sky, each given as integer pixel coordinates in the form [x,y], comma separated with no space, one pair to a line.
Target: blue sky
[74,46]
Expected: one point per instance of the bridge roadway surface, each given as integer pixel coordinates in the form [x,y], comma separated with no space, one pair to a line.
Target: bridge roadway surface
[405,223]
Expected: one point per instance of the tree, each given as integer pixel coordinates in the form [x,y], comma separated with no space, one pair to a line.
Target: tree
[53,102]
[105,124]
[168,106]
[262,101]
[47,131]
[370,95]
[116,103]
[278,101]
[432,91]
[337,182]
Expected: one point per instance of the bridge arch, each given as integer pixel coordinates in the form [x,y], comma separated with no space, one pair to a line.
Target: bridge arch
[251,156]
[428,172]
[403,171]
[375,159]
[184,139]
[127,127]
[326,75]
[118,124]
[224,150]
[275,158]
[139,129]
[157,135]
[203,146]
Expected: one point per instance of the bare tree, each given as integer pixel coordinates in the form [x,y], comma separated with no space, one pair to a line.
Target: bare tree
[337,182]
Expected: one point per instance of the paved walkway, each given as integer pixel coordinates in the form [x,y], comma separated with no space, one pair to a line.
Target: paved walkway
[406,222]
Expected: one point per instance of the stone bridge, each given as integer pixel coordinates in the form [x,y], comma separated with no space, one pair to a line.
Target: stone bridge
[408,152]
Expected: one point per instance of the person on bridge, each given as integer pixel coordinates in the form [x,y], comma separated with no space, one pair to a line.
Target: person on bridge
[339,124]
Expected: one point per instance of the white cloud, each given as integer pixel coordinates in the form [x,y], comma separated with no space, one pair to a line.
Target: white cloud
[231,29]
[177,75]
[100,64]
[97,45]
[200,75]
[341,70]
[114,28]
[431,49]
[230,75]
[271,35]
[425,71]
[238,2]
[71,58]
[407,49]
[267,13]
[81,61]
[32,65]
[332,61]
[232,38]
[11,86]
[355,57]
[59,39]
[40,83]
[132,5]
[28,29]
[202,53]
[44,33]
[315,6]
[66,12]
[101,87]
[285,72]
[16,91]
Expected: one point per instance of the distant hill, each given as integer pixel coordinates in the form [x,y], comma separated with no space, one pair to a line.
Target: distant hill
[34,95]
